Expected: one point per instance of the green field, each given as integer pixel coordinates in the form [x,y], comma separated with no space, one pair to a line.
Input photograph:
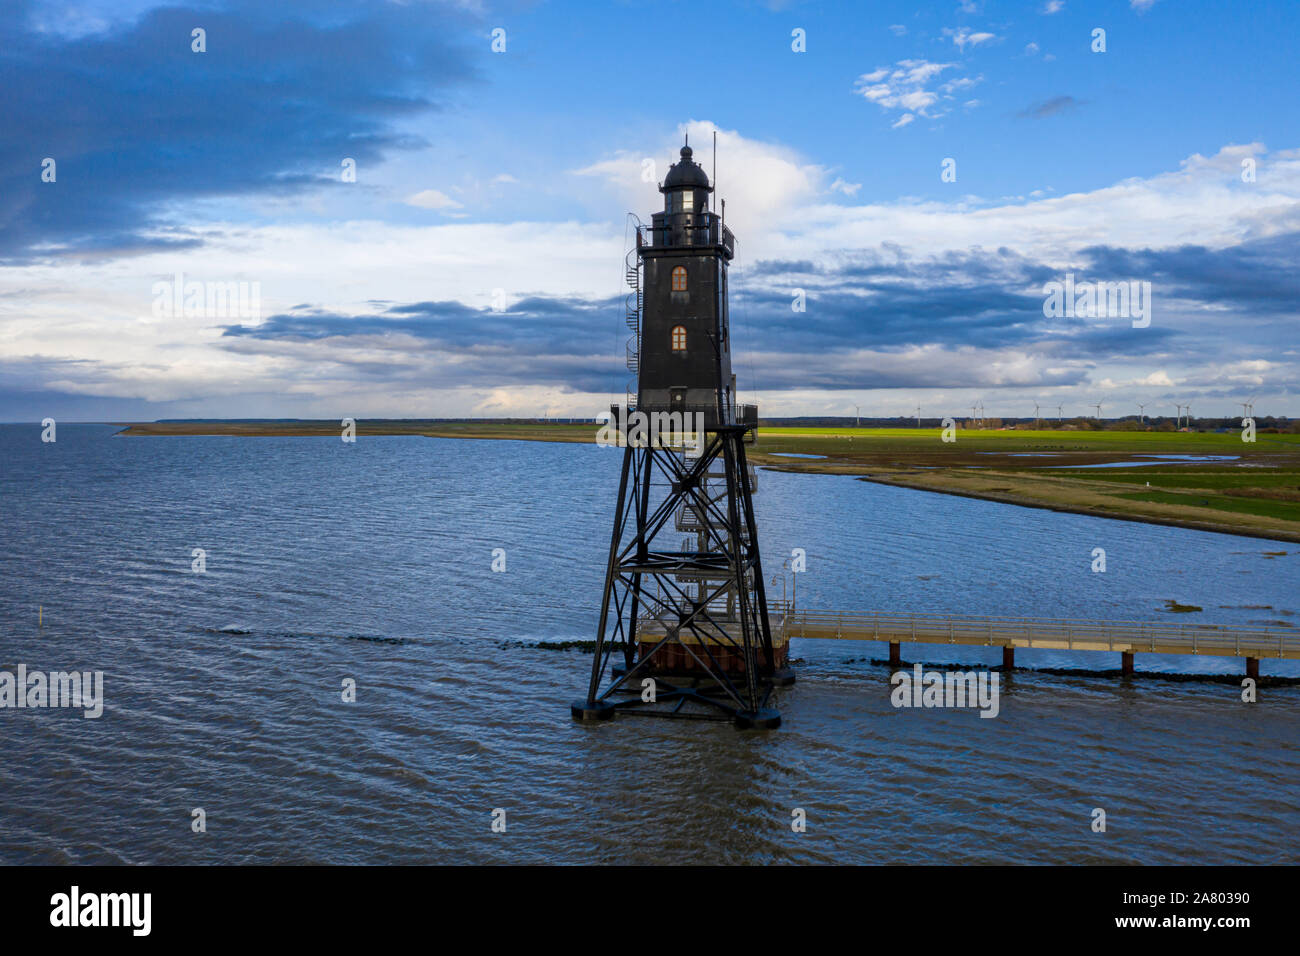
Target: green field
[816,440]
[1286,510]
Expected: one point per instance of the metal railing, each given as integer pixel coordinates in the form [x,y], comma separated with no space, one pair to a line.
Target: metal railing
[1058,634]
[730,414]
[707,231]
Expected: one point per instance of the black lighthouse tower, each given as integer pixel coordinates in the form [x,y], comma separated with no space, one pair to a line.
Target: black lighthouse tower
[684,624]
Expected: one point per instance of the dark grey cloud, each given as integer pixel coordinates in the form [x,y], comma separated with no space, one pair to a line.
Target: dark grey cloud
[134,119]
[1262,274]
[535,322]
[537,341]
[884,299]
[1050,107]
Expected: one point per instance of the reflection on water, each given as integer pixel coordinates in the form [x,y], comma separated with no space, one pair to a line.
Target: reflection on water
[372,561]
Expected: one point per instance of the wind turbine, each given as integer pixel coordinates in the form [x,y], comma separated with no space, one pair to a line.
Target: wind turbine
[1060,410]
[918,416]
[1248,408]
[1035,416]
[972,414]
[1141,413]
[1097,405]
[858,411]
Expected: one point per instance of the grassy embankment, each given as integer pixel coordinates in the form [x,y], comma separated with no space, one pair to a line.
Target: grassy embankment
[1259,494]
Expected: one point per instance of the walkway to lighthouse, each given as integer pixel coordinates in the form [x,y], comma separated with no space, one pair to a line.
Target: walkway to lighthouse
[1124,638]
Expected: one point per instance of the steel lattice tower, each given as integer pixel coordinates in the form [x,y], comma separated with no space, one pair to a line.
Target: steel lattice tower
[684,625]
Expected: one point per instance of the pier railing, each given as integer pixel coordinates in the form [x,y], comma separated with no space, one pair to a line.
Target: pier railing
[1125,637]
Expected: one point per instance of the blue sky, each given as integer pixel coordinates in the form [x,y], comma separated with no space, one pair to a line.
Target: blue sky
[473,267]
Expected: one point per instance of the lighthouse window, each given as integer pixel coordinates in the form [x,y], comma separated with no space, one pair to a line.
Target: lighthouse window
[679,280]
[688,201]
[679,337]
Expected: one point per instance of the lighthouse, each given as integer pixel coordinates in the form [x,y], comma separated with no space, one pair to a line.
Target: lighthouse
[684,627]
[685,348]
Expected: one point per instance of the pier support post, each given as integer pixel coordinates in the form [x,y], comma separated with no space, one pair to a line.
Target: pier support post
[1008,658]
[1126,662]
[1252,668]
[895,654]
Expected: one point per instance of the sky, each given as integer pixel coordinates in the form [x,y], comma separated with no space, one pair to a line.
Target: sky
[427,203]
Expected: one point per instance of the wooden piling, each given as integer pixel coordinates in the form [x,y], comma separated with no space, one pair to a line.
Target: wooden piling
[895,654]
[1252,668]
[1126,662]
[1008,658]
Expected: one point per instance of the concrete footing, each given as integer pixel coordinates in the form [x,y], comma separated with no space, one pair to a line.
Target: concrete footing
[765,719]
[588,710]
[783,677]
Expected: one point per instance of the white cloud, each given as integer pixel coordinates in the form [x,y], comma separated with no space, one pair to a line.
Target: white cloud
[963,38]
[1155,378]
[902,87]
[1053,6]
[1142,5]
[1204,202]
[906,87]
[898,29]
[759,180]
[961,83]
[848,189]
[1158,379]
[432,199]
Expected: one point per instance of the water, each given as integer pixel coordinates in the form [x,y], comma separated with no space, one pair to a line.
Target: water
[1163,460]
[372,561]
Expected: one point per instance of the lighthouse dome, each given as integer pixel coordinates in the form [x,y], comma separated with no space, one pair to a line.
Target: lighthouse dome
[686,174]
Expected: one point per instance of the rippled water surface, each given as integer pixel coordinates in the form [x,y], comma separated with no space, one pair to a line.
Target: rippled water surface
[372,561]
